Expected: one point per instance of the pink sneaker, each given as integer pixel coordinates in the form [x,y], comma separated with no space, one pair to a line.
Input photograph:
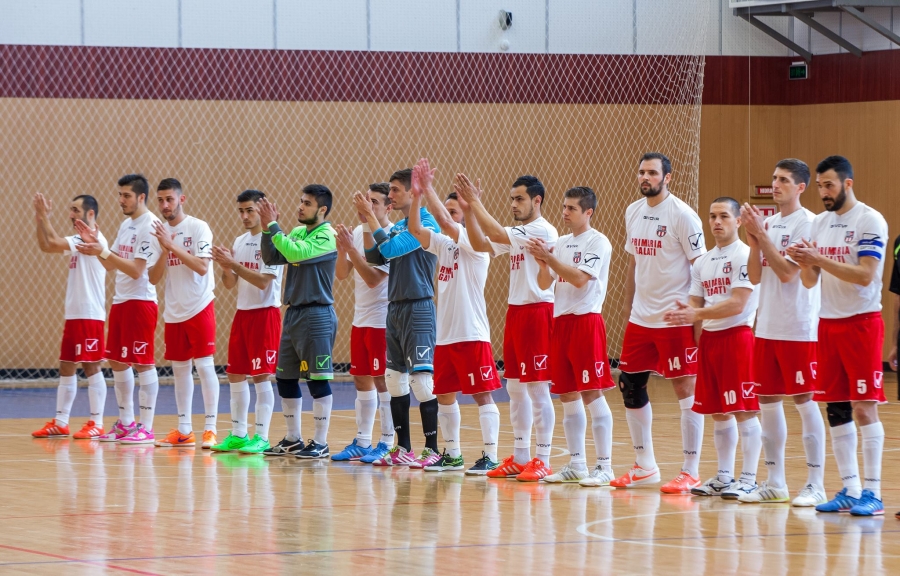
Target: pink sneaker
[398,456]
[139,435]
[427,458]
[117,432]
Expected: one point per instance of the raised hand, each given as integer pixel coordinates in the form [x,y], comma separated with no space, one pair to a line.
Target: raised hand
[89,248]
[426,174]
[85,232]
[417,189]
[224,257]
[804,253]
[465,189]
[363,205]
[42,206]
[343,236]
[539,249]
[267,211]
[162,236]
[752,220]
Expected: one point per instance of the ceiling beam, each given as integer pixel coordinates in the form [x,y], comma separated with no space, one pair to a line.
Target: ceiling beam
[778,36]
[826,32]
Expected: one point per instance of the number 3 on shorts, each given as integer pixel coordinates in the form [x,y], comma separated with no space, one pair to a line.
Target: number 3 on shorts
[124,351]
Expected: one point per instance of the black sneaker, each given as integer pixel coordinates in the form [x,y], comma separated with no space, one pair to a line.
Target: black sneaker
[482,466]
[285,448]
[313,450]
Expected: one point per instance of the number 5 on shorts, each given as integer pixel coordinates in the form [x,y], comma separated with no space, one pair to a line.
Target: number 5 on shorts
[861,386]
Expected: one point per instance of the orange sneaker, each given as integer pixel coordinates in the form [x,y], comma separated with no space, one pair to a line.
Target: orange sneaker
[507,469]
[209,439]
[176,438]
[682,484]
[534,471]
[88,432]
[637,476]
[51,430]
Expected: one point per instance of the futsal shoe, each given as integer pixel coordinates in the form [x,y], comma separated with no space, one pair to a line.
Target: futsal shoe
[598,477]
[231,443]
[353,451]
[285,448]
[377,453]
[117,432]
[446,463]
[509,468]
[482,466]
[841,502]
[637,476]
[209,440]
[868,505]
[89,431]
[566,474]
[139,435]
[51,430]
[397,456]
[313,450]
[534,471]
[428,457]
[738,489]
[256,445]
[712,487]
[810,496]
[766,494]
[682,484]
[176,438]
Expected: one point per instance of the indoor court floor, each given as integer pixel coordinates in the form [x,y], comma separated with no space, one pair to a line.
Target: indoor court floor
[81,507]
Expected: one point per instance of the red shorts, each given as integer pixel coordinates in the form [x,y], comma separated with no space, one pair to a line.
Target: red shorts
[368,351]
[132,330]
[466,367]
[725,378]
[82,341]
[671,352]
[851,366]
[784,367]
[193,338]
[253,342]
[578,354]
[526,342]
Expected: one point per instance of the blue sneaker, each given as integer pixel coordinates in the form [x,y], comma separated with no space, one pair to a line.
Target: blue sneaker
[840,503]
[868,505]
[353,451]
[377,453]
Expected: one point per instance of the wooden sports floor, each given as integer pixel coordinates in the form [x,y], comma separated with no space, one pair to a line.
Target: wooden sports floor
[77,507]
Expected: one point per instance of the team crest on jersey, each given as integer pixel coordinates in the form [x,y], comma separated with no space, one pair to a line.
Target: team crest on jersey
[726,268]
[848,236]
[257,254]
[456,254]
[785,240]
[576,258]
[188,241]
[660,230]
[133,238]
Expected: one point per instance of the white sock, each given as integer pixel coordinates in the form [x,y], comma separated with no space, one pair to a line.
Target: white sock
[751,446]
[366,406]
[774,437]
[386,418]
[149,381]
[544,419]
[265,405]
[489,418]
[123,384]
[813,442]
[209,384]
[602,427]
[97,397]
[843,443]
[322,416]
[691,436]
[65,396]
[640,422]
[449,419]
[184,394]
[240,407]
[575,426]
[291,407]
[725,436]
[873,445]
[521,417]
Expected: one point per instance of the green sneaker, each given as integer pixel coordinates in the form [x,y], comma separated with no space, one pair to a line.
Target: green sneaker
[231,443]
[446,463]
[256,445]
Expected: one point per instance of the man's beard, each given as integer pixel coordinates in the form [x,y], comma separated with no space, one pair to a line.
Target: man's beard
[526,217]
[652,191]
[308,221]
[838,202]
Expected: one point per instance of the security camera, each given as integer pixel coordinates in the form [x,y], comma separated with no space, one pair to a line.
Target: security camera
[505,19]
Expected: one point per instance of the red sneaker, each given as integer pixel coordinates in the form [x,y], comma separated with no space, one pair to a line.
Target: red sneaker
[507,469]
[88,432]
[51,430]
[534,471]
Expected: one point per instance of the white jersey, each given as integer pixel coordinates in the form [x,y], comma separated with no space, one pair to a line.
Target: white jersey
[861,231]
[523,269]
[188,293]
[590,252]
[247,253]
[136,241]
[713,277]
[86,284]
[663,240]
[462,273]
[370,304]
[787,310]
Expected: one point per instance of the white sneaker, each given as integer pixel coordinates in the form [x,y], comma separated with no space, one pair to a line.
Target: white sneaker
[738,489]
[598,477]
[765,494]
[712,487]
[566,474]
[811,495]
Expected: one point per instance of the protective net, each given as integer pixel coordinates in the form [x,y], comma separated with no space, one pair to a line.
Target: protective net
[74,119]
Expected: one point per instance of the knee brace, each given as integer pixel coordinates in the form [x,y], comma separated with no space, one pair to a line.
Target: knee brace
[289,387]
[397,383]
[318,388]
[634,389]
[422,384]
[839,413]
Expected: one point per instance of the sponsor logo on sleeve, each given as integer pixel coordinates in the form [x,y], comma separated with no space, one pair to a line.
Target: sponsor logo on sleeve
[743,275]
[145,247]
[696,240]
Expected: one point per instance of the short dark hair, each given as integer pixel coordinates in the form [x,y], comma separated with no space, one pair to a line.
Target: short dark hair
[169,184]
[88,202]
[137,183]
[381,188]
[734,204]
[837,163]
[403,176]
[250,196]
[452,196]
[532,185]
[586,197]
[798,169]
[322,194]
[666,163]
